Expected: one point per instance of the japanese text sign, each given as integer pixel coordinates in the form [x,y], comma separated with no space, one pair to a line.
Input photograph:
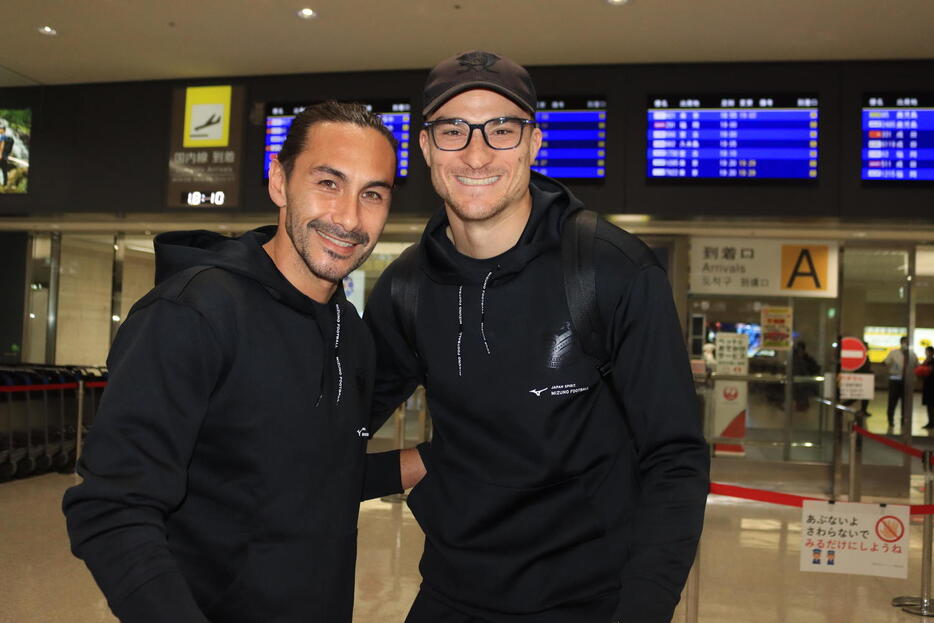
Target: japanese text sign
[861,539]
[764,267]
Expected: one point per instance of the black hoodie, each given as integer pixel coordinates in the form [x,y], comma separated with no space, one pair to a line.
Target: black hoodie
[225,466]
[551,496]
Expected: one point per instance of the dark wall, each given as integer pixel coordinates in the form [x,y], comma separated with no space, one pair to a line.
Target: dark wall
[105,147]
[13,246]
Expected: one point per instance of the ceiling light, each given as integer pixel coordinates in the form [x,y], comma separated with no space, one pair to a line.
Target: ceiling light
[307,13]
[616,2]
[48,30]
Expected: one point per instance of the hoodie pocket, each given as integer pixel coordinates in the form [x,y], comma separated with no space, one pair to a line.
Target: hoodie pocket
[301,580]
[511,550]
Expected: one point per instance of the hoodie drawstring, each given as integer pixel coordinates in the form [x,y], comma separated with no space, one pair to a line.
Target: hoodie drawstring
[483,311]
[460,328]
[337,355]
[460,320]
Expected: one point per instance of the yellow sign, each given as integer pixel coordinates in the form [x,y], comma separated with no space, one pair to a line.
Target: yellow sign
[777,327]
[207,116]
[805,267]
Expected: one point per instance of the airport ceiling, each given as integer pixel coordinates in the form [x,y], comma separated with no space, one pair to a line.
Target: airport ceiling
[122,40]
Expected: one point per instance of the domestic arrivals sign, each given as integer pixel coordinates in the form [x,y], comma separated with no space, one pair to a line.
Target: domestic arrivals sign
[861,539]
[205,147]
[764,267]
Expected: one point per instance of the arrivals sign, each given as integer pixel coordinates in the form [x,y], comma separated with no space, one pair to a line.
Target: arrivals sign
[764,267]
[205,147]
[861,539]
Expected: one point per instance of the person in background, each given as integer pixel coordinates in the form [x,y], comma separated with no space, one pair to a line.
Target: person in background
[803,364]
[899,361]
[927,389]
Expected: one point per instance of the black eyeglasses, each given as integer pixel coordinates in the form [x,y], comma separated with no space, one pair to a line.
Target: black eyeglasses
[498,133]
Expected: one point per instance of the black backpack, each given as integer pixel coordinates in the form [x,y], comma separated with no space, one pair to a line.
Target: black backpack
[580,287]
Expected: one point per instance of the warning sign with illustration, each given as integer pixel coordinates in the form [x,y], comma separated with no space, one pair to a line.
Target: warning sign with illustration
[764,267]
[861,539]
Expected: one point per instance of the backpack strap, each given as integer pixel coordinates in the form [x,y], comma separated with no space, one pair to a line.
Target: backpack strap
[580,286]
[403,291]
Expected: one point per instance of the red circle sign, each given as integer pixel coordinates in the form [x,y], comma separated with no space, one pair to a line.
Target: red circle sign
[852,354]
[730,393]
[890,528]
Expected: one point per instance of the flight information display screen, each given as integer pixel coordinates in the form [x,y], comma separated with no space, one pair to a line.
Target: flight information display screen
[573,137]
[898,137]
[396,115]
[732,137]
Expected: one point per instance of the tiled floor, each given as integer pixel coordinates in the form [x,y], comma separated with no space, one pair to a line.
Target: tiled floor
[749,566]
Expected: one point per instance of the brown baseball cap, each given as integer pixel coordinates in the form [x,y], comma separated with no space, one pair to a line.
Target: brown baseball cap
[478,70]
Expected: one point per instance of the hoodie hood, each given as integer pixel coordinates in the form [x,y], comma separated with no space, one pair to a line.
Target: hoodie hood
[552,203]
[180,250]
[245,256]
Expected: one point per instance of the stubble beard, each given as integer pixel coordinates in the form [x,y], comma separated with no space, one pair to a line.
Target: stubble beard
[464,212]
[300,235]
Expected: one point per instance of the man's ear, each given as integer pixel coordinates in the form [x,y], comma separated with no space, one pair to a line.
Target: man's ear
[277,183]
[535,144]
[423,142]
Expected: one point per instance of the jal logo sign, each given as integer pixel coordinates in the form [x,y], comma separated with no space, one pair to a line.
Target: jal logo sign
[730,393]
[764,267]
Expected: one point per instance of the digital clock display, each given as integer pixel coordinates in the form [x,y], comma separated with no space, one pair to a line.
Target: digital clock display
[898,137]
[733,137]
[573,137]
[204,198]
[397,116]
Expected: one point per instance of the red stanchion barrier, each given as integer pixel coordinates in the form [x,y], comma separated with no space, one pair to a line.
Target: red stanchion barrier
[788,499]
[758,495]
[906,449]
[10,389]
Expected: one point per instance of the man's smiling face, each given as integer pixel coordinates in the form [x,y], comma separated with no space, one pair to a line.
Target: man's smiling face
[336,197]
[479,183]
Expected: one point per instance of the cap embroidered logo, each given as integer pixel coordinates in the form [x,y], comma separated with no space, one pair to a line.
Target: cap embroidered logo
[477,61]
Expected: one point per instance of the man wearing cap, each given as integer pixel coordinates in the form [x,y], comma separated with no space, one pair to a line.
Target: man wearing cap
[553,493]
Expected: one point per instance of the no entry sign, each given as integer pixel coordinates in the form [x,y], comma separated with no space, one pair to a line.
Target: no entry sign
[852,354]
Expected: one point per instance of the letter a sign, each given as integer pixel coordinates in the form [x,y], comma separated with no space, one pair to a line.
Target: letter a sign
[764,267]
[805,268]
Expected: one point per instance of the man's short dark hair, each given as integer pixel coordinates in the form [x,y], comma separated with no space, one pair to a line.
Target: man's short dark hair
[335,112]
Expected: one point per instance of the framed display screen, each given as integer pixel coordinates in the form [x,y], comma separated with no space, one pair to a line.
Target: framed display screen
[729,137]
[15,130]
[573,137]
[396,115]
[898,137]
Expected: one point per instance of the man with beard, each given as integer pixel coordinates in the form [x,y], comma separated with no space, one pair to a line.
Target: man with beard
[559,488]
[224,471]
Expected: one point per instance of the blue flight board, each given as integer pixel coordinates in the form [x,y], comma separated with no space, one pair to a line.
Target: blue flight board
[396,115]
[898,137]
[573,137]
[730,137]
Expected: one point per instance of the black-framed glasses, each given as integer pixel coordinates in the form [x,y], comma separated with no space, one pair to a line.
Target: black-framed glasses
[498,133]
